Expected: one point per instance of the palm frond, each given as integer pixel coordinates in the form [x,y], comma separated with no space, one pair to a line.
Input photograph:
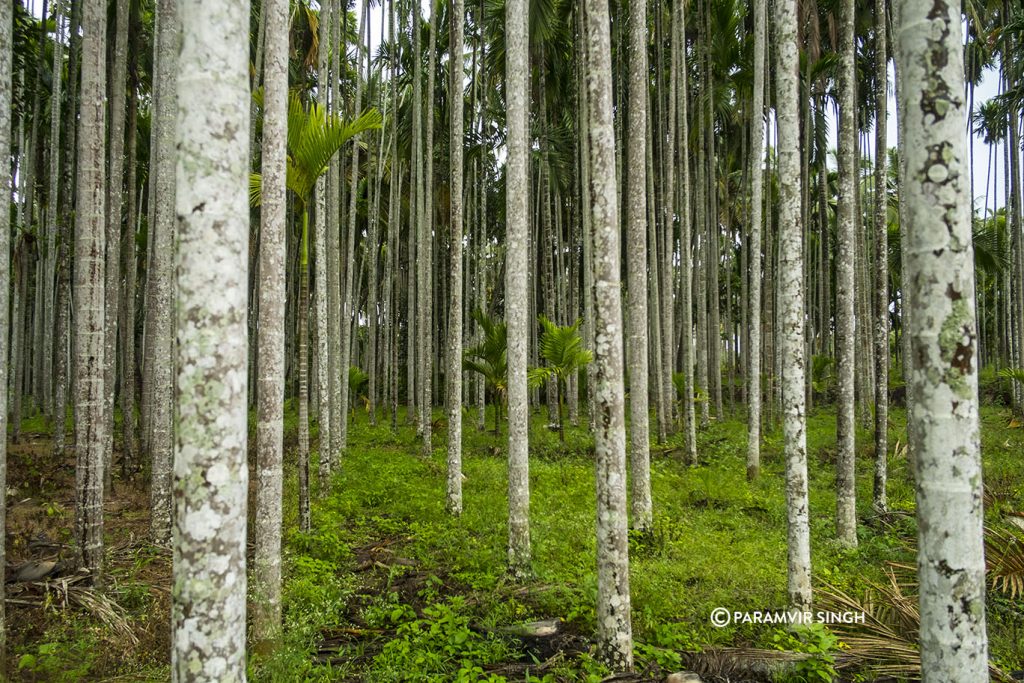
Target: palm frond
[357,379]
[561,347]
[1004,555]
[255,189]
[1015,374]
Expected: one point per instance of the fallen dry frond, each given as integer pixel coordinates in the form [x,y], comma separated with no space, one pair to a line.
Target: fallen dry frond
[73,593]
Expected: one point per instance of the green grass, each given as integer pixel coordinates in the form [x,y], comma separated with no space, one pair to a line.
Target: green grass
[717,541]
[389,587]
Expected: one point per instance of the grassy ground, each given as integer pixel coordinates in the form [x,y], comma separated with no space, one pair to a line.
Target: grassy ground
[388,587]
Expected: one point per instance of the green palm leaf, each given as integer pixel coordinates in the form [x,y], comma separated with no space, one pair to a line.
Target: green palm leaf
[562,347]
[314,136]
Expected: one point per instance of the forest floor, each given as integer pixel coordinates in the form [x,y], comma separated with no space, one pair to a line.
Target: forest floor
[388,587]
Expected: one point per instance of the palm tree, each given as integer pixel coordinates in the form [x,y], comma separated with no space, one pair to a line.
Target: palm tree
[615,633]
[6,52]
[118,86]
[790,286]
[562,348]
[158,371]
[489,360]
[453,371]
[846,229]
[90,438]
[314,136]
[881,283]
[271,328]
[517,214]
[938,282]
[208,606]
[636,300]
[754,287]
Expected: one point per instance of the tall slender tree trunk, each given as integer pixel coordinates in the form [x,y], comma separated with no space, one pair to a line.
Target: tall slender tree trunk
[302,321]
[881,283]
[270,335]
[52,216]
[6,96]
[943,382]
[413,347]
[64,247]
[90,426]
[753,349]
[685,252]
[426,251]
[160,323]
[453,374]
[115,217]
[615,637]
[126,324]
[790,282]
[335,313]
[323,364]
[846,255]
[349,319]
[636,254]
[211,474]
[516,292]
[666,248]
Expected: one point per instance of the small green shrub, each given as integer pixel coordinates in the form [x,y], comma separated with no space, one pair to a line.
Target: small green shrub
[816,640]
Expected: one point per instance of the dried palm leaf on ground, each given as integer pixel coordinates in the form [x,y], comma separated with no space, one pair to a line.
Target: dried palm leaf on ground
[71,592]
[886,643]
[1004,559]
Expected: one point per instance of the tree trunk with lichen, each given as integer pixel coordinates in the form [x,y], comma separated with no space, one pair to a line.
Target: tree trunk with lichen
[791,313]
[615,638]
[636,254]
[846,256]
[160,272]
[323,363]
[90,426]
[114,218]
[270,332]
[210,470]
[516,293]
[6,49]
[881,283]
[753,349]
[943,382]
[453,375]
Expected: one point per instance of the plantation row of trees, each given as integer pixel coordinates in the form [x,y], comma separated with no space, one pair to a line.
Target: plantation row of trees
[219,205]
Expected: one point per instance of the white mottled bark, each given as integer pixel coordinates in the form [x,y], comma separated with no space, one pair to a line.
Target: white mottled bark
[516,271]
[348,303]
[160,324]
[6,47]
[614,630]
[320,294]
[685,252]
[636,255]
[881,284]
[270,332]
[453,373]
[846,227]
[754,287]
[943,382]
[90,427]
[790,284]
[52,215]
[210,470]
[115,216]
[336,369]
